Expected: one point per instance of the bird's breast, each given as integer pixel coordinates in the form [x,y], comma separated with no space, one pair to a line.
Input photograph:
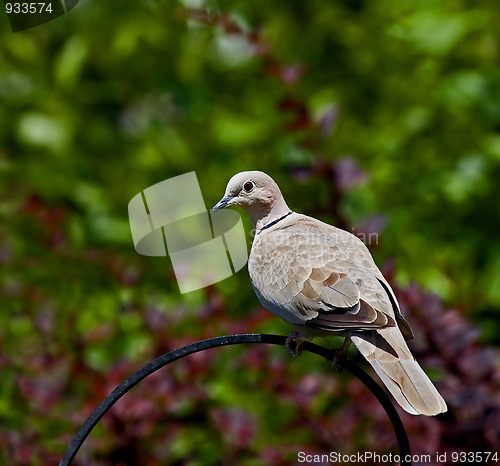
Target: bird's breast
[279,266]
[270,272]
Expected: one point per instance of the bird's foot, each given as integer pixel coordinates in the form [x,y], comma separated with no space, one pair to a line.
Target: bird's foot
[338,360]
[340,356]
[294,343]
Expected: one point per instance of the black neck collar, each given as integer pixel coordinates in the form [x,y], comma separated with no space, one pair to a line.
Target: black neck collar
[274,222]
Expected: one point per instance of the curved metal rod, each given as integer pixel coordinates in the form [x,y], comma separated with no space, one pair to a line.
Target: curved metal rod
[158,363]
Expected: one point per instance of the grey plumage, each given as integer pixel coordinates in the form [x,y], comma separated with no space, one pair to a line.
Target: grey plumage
[323,280]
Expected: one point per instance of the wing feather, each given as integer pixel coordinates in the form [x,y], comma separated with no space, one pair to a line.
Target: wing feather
[310,276]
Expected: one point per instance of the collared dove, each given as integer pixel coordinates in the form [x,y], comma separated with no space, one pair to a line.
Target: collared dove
[324,281]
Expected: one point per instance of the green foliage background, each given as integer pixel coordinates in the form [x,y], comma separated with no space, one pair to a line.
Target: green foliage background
[377,116]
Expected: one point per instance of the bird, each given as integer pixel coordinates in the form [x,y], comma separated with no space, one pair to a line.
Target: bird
[323,281]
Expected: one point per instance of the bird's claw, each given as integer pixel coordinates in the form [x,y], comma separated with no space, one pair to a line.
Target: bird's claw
[294,344]
[340,356]
[338,360]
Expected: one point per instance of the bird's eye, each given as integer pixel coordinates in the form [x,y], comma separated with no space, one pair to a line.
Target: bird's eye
[248,186]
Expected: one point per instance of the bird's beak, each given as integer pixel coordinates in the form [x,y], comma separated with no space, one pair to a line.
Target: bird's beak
[224,202]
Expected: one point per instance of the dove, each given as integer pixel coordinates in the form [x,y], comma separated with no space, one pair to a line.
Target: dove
[323,281]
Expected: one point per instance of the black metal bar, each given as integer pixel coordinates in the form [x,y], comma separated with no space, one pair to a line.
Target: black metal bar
[162,361]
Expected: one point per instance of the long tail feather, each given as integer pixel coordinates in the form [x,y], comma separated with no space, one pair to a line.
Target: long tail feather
[386,351]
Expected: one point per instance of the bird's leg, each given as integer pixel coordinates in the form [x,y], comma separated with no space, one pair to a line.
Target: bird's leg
[341,355]
[293,344]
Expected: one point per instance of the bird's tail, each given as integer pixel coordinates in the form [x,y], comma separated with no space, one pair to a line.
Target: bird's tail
[386,350]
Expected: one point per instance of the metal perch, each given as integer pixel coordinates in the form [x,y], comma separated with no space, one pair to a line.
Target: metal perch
[158,363]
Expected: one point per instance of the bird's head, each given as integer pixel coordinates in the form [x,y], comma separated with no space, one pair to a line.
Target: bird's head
[256,193]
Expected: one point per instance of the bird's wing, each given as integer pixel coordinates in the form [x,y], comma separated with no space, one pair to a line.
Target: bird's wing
[360,254]
[307,271]
[318,277]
